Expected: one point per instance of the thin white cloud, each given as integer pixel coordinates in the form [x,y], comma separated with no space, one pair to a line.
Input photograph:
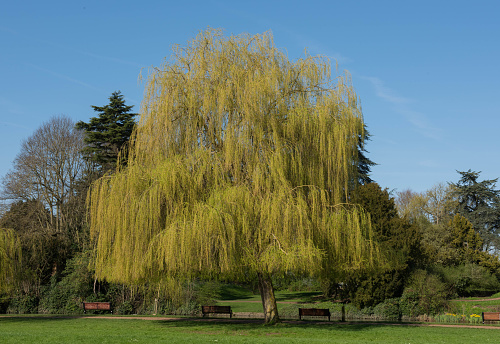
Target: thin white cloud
[314,48]
[64,77]
[423,125]
[111,59]
[386,93]
[401,105]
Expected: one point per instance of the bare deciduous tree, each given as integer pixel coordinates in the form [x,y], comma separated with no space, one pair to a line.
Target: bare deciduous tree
[48,167]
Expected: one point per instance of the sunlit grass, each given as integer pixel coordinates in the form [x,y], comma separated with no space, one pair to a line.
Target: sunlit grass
[98,330]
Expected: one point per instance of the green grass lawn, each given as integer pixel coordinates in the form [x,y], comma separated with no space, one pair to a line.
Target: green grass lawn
[235,292]
[96,330]
[475,307]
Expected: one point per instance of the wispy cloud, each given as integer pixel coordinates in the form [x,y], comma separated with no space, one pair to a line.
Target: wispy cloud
[64,77]
[386,93]
[401,105]
[314,47]
[108,58]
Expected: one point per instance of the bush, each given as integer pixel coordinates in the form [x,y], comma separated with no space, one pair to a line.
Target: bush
[409,304]
[469,280]
[23,304]
[388,310]
[125,308]
[424,294]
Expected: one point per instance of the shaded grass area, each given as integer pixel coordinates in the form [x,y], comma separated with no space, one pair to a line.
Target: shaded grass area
[236,292]
[243,299]
[53,330]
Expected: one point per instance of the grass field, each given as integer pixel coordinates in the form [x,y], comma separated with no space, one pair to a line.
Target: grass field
[100,330]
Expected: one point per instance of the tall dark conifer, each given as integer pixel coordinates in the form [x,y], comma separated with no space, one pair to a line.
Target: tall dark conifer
[364,163]
[479,201]
[107,134]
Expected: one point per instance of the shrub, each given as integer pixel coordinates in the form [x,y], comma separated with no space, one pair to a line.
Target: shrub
[469,280]
[23,304]
[388,310]
[409,303]
[125,308]
[425,294]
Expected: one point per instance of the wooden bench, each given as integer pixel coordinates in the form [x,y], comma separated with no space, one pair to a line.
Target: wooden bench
[217,310]
[100,306]
[490,316]
[314,312]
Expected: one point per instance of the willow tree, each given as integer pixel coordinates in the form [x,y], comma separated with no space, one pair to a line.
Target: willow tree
[240,166]
[10,258]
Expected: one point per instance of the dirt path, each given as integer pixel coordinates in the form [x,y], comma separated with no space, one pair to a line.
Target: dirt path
[478,300]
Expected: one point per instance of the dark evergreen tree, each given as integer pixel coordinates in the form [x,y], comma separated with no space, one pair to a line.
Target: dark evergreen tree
[364,163]
[399,238]
[107,134]
[479,201]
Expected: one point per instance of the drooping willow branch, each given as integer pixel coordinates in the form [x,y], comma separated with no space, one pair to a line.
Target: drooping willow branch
[238,165]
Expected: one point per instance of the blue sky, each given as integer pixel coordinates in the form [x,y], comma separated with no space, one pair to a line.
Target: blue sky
[427,72]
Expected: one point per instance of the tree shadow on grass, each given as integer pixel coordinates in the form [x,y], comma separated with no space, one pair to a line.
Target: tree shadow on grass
[36,318]
[235,292]
[233,325]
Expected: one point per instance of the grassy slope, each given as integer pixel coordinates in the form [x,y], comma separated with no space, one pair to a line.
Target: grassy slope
[242,299]
[44,330]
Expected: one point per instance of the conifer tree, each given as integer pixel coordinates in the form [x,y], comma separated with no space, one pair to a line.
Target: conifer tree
[107,134]
[364,163]
[479,202]
[240,167]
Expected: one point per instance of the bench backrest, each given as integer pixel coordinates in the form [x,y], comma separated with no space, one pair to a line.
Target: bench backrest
[314,312]
[105,306]
[216,309]
[488,316]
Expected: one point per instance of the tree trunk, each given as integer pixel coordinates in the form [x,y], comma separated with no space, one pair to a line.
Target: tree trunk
[268,300]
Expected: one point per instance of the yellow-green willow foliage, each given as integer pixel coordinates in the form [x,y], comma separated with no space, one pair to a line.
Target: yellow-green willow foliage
[10,258]
[241,164]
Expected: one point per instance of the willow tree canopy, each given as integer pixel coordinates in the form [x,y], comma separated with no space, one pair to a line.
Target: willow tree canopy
[10,257]
[241,163]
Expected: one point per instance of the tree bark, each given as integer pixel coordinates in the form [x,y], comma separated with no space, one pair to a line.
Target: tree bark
[268,300]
